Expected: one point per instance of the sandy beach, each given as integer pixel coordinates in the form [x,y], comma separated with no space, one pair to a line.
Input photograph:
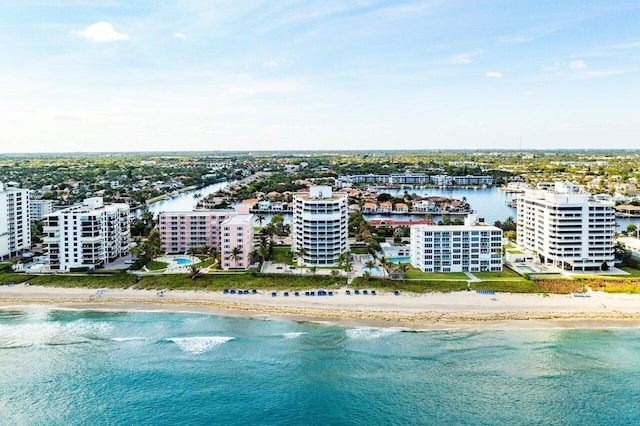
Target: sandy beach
[411,311]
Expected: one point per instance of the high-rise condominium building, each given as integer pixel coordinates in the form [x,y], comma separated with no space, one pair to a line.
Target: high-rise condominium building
[566,227]
[15,226]
[471,247]
[319,226]
[90,235]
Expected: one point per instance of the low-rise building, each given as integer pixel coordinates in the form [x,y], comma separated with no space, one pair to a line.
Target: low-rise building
[180,231]
[456,248]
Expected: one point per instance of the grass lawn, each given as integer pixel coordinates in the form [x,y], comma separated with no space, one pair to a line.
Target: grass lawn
[417,274]
[11,277]
[205,263]
[412,286]
[154,265]
[360,250]
[239,281]
[281,255]
[506,274]
[632,271]
[91,281]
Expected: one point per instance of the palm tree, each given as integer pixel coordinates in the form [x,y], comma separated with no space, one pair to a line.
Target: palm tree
[370,264]
[192,251]
[255,256]
[194,271]
[260,219]
[299,255]
[385,263]
[313,269]
[344,259]
[235,255]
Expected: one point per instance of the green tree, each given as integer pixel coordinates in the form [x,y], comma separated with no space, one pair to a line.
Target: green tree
[235,255]
[260,219]
[152,246]
[194,271]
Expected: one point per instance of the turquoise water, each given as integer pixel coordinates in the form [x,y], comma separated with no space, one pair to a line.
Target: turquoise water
[182,261]
[374,270]
[399,259]
[112,368]
[524,268]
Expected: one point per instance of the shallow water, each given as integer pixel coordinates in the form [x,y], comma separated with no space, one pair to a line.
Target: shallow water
[79,367]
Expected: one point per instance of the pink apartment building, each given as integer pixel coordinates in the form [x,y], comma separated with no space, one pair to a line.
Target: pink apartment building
[220,229]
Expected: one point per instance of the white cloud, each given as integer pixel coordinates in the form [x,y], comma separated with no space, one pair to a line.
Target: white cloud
[528,92]
[179,35]
[465,58]
[272,64]
[101,32]
[577,65]
[493,74]
[241,91]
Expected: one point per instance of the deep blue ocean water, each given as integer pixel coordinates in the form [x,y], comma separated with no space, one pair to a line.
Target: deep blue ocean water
[120,368]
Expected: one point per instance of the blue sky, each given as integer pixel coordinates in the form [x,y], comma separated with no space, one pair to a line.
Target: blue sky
[110,75]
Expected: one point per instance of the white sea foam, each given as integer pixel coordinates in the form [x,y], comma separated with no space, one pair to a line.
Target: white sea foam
[369,333]
[39,332]
[293,335]
[199,344]
[126,339]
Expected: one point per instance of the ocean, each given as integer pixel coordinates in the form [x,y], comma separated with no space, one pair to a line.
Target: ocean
[65,367]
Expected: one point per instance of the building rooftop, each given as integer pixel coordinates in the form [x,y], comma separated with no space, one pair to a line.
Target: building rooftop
[239,219]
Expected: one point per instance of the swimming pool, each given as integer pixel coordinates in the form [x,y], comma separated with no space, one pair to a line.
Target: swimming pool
[34,266]
[374,270]
[524,268]
[182,261]
[399,259]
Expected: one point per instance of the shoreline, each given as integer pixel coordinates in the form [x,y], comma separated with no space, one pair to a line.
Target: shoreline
[432,311]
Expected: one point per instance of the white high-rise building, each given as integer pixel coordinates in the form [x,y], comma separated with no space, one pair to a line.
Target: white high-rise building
[566,227]
[15,226]
[38,209]
[456,248]
[319,226]
[88,235]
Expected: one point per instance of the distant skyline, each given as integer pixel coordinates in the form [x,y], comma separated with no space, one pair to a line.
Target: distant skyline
[110,75]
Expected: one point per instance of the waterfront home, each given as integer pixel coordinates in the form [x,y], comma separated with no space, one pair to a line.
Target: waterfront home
[401,208]
[385,207]
[264,205]
[369,207]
